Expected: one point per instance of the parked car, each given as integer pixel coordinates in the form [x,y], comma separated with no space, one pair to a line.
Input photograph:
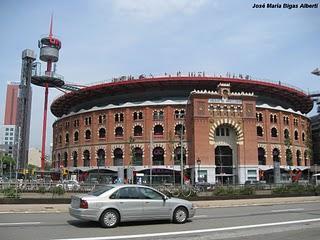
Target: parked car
[69,185]
[112,204]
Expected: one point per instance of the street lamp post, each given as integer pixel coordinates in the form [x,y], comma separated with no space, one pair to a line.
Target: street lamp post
[199,163]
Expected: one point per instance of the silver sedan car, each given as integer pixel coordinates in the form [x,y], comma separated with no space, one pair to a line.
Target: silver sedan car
[112,204]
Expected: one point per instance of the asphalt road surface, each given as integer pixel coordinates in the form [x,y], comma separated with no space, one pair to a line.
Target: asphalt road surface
[276,222]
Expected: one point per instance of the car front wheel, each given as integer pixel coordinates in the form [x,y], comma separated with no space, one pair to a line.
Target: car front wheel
[180,215]
[109,218]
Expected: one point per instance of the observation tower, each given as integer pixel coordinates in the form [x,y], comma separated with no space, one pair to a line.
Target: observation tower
[49,53]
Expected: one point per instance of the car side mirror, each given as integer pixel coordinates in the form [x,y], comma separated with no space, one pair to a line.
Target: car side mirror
[165,198]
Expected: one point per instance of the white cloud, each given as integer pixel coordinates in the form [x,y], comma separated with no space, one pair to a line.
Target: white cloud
[156,9]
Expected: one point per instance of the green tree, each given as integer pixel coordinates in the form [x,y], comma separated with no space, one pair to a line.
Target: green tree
[288,143]
[6,162]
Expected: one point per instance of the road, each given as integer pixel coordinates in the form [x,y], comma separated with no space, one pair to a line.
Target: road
[290,221]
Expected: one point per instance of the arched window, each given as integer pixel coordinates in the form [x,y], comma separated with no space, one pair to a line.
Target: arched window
[261,156]
[76,136]
[305,155]
[75,159]
[158,130]
[296,135]
[65,161]
[137,156]
[67,137]
[274,132]
[118,157]
[101,157]
[102,133]
[59,161]
[289,157]
[177,156]
[158,156]
[137,131]
[88,134]
[259,131]
[303,137]
[119,132]
[286,134]
[276,155]
[299,161]
[86,158]
[178,129]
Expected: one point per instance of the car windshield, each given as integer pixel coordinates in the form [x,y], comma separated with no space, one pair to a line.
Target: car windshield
[98,191]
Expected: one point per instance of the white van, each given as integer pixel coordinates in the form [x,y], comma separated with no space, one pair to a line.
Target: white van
[316,179]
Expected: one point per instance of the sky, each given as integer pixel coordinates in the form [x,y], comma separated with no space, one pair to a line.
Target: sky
[102,39]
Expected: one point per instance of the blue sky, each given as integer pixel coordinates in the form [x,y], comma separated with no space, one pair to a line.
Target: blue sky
[107,38]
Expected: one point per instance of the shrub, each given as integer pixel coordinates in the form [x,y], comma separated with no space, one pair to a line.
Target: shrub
[11,192]
[41,190]
[57,191]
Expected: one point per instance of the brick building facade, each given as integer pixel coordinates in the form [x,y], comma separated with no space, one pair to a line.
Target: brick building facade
[228,136]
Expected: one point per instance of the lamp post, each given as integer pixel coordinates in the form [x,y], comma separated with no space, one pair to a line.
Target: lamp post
[199,163]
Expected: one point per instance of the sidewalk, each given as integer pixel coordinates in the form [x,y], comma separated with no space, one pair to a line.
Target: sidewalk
[62,208]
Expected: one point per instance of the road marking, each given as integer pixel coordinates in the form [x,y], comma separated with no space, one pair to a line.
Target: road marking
[31,212]
[194,231]
[288,210]
[200,216]
[20,223]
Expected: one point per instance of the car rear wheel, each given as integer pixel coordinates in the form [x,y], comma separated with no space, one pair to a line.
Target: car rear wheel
[180,215]
[109,218]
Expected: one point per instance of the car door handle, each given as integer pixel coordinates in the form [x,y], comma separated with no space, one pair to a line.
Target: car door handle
[121,202]
[147,202]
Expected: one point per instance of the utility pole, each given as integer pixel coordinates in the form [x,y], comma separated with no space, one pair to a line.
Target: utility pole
[181,156]
[151,144]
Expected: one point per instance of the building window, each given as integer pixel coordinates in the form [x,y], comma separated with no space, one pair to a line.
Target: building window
[296,135]
[86,158]
[295,122]
[158,156]
[137,156]
[299,160]
[102,133]
[75,159]
[88,134]
[259,131]
[118,117]
[76,136]
[76,123]
[179,114]
[102,119]
[274,132]
[179,129]
[303,137]
[286,120]
[67,124]
[118,157]
[101,157]
[158,115]
[119,132]
[158,130]
[60,139]
[87,121]
[261,156]
[273,118]
[259,117]
[65,161]
[137,131]
[286,134]
[67,137]
[137,116]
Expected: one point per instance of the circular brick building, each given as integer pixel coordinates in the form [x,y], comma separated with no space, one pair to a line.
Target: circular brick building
[224,129]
